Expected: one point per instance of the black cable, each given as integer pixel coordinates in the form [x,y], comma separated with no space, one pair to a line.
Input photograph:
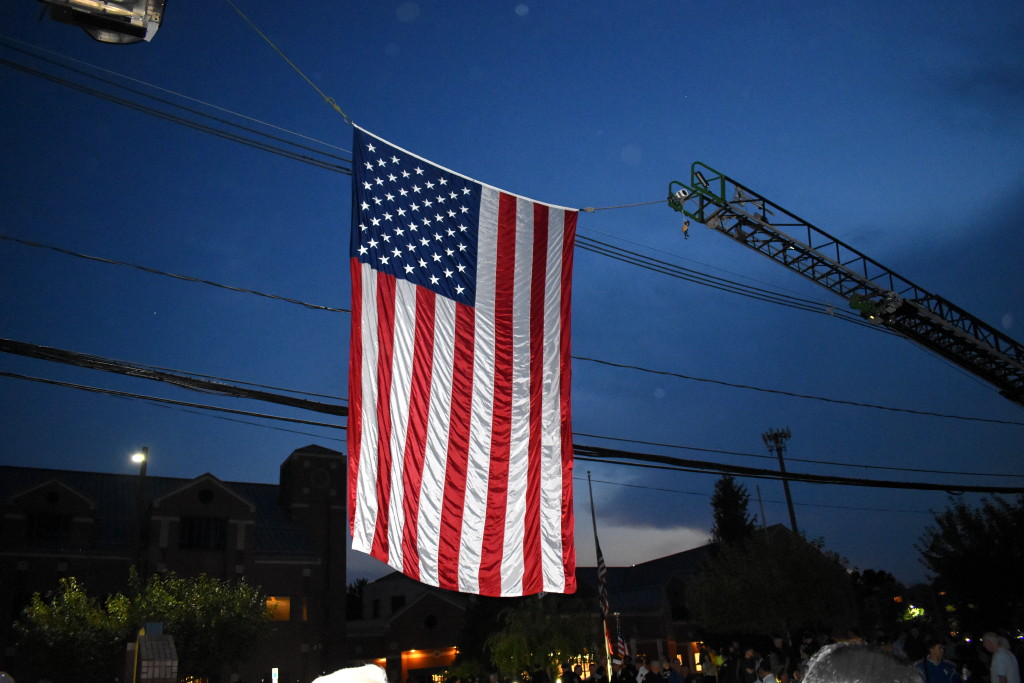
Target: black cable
[125,394]
[200,383]
[722,284]
[174,104]
[187,382]
[244,422]
[888,468]
[664,462]
[773,502]
[598,454]
[796,395]
[186,278]
[179,120]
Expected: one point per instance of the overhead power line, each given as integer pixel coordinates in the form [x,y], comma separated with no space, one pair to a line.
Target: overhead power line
[126,394]
[186,278]
[603,455]
[718,451]
[147,269]
[774,502]
[751,387]
[719,283]
[189,382]
[652,461]
[136,370]
[196,125]
[11,42]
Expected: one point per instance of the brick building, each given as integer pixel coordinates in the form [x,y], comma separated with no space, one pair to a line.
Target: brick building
[288,539]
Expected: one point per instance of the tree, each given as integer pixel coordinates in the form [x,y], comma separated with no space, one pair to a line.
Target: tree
[775,581]
[875,593]
[213,622]
[71,637]
[976,556]
[543,630]
[354,600]
[729,505]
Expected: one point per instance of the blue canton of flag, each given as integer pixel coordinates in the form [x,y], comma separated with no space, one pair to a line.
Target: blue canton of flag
[416,221]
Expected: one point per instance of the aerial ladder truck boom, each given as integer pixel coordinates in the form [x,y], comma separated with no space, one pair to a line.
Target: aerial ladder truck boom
[881,295]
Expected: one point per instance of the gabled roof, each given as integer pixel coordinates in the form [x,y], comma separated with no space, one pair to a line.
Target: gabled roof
[206,478]
[457,600]
[59,484]
[115,499]
[642,586]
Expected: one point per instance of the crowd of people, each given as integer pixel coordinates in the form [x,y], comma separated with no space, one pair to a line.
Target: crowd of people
[924,660]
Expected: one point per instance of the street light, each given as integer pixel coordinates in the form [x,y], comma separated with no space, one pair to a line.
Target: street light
[775,440]
[111,21]
[141,458]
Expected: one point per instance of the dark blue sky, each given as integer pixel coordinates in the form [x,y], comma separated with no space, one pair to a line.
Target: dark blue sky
[895,127]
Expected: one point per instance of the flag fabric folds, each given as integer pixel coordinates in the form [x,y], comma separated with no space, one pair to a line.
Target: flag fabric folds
[602,591]
[602,581]
[621,649]
[459,431]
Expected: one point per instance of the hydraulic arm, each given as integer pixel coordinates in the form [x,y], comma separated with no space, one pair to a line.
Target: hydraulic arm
[881,296]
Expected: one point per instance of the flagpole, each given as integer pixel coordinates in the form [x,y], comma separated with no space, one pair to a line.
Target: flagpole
[602,588]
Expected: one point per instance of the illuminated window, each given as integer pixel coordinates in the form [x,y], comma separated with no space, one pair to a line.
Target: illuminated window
[280,608]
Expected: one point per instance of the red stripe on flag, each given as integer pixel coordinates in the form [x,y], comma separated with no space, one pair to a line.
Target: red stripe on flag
[458,449]
[355,389]
[533,576]
[385,351]
[568,547]
[416,437]
[501,419]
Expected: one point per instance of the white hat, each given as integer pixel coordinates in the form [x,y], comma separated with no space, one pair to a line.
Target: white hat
[368,673]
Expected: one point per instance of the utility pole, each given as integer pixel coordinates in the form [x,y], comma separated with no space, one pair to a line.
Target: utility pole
[775,440]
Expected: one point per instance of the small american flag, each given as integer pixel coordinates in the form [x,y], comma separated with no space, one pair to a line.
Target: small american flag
[459,433]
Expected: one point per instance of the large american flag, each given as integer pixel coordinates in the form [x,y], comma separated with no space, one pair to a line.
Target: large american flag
[459,433]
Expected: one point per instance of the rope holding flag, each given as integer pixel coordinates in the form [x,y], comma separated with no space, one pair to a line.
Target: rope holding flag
[459,438]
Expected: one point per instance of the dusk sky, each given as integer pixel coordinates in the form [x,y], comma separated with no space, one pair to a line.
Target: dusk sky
[896,127]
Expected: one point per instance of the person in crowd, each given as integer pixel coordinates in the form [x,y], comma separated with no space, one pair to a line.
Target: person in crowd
[764,672]
[654,671]
[934,667]
[674,673]
[642,669]
[778,658]
[368,673]
[728,670]
[619,672]
[1004,667]
[748,666]
[598,672]
[858,663]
